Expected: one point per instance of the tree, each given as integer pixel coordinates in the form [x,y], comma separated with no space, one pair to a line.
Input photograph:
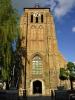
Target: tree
[8,33]
[71,69]
[63,74]
[68,73]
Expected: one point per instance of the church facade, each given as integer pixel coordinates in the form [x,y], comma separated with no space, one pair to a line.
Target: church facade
[42,60]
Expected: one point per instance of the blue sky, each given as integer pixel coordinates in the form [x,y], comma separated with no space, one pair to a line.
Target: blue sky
[64,17]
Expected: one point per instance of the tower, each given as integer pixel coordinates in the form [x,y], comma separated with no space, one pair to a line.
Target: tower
[42,60]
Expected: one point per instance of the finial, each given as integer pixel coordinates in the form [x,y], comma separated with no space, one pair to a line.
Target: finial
[37,5]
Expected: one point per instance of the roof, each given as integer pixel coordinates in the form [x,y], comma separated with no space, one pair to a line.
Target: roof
[37,6]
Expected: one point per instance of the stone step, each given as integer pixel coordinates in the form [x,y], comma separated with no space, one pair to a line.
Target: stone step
[13,95]
[39,98]
[36,98]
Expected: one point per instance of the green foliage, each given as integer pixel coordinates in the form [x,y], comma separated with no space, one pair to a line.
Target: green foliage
[63,74]
[68,73]
[72,76]
[8,33]
[71,69]
[5,74]
[70,66]
[8,21]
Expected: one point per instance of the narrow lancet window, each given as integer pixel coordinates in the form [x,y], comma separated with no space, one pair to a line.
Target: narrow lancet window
[42,18]
[36,19]
[31,18]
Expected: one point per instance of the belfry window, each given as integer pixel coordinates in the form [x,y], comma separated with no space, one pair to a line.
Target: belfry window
[31,18]
[36,19]
[42,18]
[37,65]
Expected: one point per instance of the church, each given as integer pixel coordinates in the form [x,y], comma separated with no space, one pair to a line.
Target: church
[42,60]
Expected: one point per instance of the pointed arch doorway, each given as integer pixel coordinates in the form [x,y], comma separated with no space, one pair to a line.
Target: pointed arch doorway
[37,87]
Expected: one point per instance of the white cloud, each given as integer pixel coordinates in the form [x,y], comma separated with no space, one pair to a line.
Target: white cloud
[60,7]
[63,7]
[73,29]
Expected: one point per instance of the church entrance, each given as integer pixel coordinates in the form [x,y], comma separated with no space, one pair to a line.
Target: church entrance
[37,87]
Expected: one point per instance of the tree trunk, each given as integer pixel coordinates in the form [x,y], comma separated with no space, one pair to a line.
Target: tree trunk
[71,84]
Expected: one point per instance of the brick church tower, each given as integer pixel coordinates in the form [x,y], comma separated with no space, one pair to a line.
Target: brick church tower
[42,60]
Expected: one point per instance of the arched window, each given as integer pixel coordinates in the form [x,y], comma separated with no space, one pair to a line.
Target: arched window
[31,18]
[42,18]
[36,19]
[37,65]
